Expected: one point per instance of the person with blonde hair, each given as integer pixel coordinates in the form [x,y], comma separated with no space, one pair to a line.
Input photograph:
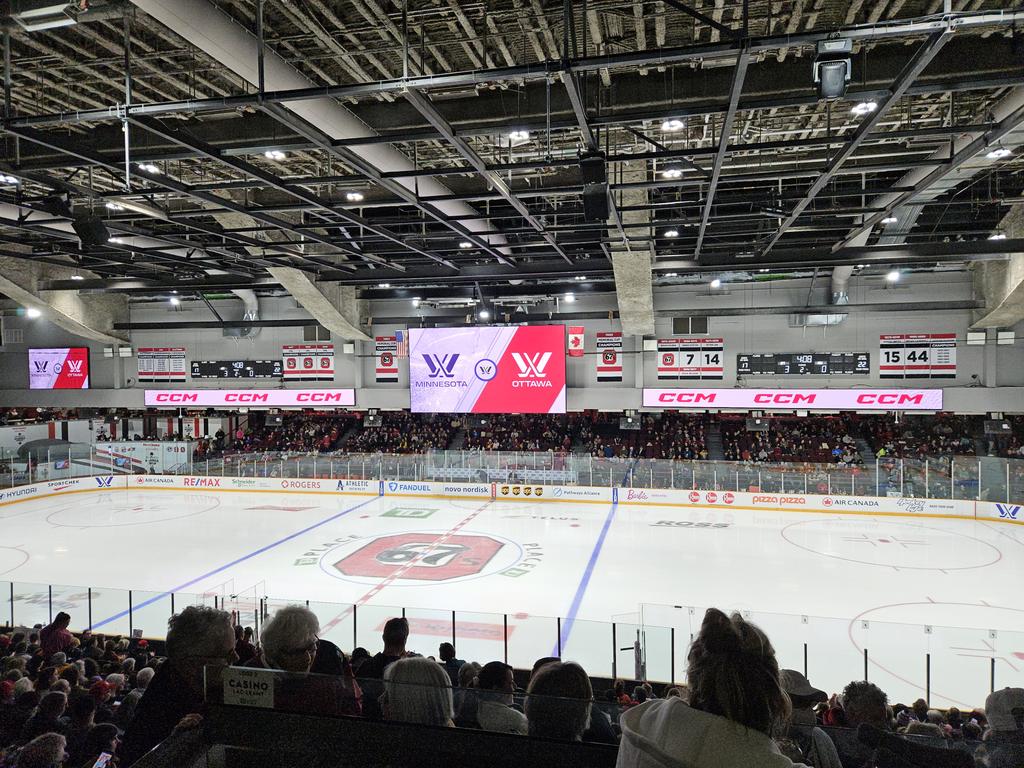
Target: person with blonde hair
[418,690]
[736,705]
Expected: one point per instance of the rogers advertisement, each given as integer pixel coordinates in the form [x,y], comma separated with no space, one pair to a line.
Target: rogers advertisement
[58,368]
[793,399]
[487,370]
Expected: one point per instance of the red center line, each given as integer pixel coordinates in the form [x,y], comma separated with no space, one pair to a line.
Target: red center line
[397,573]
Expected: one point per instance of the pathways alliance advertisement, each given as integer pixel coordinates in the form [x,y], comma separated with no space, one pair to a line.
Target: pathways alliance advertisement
[487,370]
[58,368]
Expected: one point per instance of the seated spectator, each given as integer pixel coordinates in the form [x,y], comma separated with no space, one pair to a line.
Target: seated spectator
[102,738]
[736,706]
[600,728]
[126,711]
[83,712]
[289,640]
[465,696]
[46,751]
[14,717]
[1004,742]
[495,686]
[815,746]
[243,647]
[197,638]
[418,690]
[395,636]
[862,703]
[47,717]
[446,653]
[558,701]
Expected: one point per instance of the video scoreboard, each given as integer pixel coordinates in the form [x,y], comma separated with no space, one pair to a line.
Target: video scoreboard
[804,364]
[236,369]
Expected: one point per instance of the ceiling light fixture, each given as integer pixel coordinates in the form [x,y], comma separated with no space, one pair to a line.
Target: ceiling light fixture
[671,233]
[354,197]
[672,173]
[416,302]
[893,276]
[5,179]
[33,312]
[175,301]
[465,244]
[581,278]
[889,220]
[77,277]
[716,283]
[274,154]
[519,136]
[671,274]
[570,298]
[383,285]
[671,126]
[997,236]
[148,168]
[484,314]
[864,108]
[998,153]
[115,240]
[114,206]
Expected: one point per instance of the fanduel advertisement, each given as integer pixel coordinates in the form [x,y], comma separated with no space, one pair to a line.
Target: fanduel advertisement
[487,370]
[58,368]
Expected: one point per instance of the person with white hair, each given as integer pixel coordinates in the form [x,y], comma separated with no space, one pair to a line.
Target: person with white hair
[418,690]
[126,712]
[44,751]
[198,639]
[289,639]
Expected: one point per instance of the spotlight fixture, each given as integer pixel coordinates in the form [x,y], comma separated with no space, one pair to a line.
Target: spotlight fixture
[671,126]
[148,168]
[274,154]
[114,207]
[831,70]
[998,153]
[383,285]
[416,302]
[519,136]
[889,220]
[570,298]
[77,277]
[581,278]
[716,283]
[465,244]
[864,108]
[671,274]
[672,173]
[893,276]
[354,197]
[484,314]
[671,233]
[997,236]
[5,179]
[33,313]
[175,301]
[115,240]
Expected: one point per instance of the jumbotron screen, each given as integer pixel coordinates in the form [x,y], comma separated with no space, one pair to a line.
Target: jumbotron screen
[487,370]
[58,368]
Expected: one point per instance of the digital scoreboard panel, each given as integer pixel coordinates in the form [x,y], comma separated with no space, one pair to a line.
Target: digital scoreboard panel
[236,369]
[804,364]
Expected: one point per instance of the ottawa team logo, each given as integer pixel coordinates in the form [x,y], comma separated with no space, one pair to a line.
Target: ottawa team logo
[420,558]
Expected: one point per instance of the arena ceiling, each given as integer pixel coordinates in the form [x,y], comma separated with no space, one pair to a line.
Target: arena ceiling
[433,148]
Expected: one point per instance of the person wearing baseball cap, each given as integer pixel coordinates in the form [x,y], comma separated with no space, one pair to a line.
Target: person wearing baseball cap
[1004,741]
[816,747]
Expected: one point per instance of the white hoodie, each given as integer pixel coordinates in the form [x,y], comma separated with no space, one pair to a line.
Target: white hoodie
[667,733]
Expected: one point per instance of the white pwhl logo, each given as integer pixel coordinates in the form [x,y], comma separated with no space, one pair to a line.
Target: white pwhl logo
[532,365]
[75,366]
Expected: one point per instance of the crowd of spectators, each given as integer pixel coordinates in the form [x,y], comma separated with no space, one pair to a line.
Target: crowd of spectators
[820,440]
[404,432]
[668,435]
[519,432]
[66,700]
[920,437]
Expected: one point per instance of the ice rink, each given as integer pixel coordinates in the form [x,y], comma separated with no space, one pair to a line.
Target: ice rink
[825,586]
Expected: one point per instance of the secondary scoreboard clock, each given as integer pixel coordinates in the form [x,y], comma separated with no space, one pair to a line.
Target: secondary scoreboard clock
[804,364]
[236,369]
[917,356]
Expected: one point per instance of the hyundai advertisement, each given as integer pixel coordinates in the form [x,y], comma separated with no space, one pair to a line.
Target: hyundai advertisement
[58,368]
[487,370]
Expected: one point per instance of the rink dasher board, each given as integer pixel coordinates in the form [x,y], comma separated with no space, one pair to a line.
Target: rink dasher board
[501,492]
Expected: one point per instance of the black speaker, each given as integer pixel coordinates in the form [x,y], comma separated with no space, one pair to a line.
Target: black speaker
[757,425]
[592,168]
[595,202]
[90,230]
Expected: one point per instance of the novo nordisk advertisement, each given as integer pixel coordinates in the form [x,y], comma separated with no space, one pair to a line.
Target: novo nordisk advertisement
[487,370]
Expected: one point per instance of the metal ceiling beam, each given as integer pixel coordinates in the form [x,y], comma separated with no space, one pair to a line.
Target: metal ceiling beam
[385,180]
[703,18]
[920,60]
[739,75]
[426,108]
[539,71]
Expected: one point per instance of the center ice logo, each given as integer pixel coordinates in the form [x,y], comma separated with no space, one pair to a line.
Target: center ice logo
[421,557]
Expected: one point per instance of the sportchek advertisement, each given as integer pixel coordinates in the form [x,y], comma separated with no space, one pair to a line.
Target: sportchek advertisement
[58,368]
[487,370]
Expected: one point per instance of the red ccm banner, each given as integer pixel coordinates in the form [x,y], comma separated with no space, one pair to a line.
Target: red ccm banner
[796,399]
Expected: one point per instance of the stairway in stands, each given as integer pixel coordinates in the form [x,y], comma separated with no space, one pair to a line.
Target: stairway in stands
[458,440]
[348,434]
[866,454]
[716,451]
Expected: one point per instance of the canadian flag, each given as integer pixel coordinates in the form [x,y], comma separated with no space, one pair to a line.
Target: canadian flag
[576,341]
